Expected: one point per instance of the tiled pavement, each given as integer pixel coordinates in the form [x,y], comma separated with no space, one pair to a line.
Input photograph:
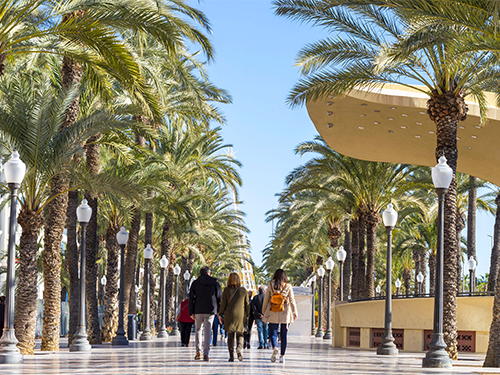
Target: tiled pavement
[304,356]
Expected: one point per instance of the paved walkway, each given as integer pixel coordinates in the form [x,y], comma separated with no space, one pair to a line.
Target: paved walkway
[304,356]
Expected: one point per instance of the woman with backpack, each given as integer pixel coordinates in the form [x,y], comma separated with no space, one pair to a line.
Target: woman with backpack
[234,308]
[279,310]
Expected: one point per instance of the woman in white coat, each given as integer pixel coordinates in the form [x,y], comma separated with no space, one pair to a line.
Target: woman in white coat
[276,318]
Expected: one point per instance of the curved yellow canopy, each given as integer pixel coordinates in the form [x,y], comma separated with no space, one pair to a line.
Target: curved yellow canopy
[391,125]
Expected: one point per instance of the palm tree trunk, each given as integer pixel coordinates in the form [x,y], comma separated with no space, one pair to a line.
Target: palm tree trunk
[407,281]
[471,222]
[416,260]
[72,255]
[460,225]
[495,251]
[446,110]
[92,152]
[130,266]
[361,265]
[26,294]
[355,258]
[372,220]
[432,272]
[493,353]
[347,263]
[110,317]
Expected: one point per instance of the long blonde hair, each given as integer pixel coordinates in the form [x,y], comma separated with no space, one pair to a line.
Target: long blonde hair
[233,280]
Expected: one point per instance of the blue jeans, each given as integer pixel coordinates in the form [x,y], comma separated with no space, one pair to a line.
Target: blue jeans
[262,330]
[273,329]
[215,330]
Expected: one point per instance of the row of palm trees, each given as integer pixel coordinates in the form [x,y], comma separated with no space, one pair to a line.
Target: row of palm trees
[104,100]
[446,49]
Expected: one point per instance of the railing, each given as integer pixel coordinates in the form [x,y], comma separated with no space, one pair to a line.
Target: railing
[423,295]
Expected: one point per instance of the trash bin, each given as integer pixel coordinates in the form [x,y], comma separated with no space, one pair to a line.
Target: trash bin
[132,327]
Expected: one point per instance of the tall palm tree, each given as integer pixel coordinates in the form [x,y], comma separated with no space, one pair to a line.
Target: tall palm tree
[374,46]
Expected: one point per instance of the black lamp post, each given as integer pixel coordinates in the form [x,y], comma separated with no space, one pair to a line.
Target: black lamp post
[378,291]
[120,338]
[14,173]
[146,332]
[80,342]
[177,271]
[420,280]
[321,273]
[329,267]
[162,332]
[313,318]
[437,356]
[341,255]
[387,347]
[471,264]
[398,287]
[104,281]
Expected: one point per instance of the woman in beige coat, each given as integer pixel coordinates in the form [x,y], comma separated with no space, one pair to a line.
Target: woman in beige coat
[279,319]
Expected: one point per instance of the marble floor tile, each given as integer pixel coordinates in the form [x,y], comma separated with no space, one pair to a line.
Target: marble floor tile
[304,356]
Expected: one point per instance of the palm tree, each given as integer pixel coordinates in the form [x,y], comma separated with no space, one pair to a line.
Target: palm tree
[386,45]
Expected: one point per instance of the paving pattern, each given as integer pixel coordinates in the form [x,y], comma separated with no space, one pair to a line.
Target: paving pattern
[304,356]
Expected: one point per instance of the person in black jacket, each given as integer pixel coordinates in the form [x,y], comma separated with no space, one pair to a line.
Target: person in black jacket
[204,300]
[262,327]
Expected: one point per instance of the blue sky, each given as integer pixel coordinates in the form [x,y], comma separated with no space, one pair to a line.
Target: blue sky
[255,51]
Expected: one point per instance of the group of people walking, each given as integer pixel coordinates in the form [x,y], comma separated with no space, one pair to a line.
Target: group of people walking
[274,307]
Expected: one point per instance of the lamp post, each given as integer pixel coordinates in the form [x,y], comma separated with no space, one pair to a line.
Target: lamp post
[398,286]
[187,276]
[104,281]
[120,338]
[329,267]
[387,347]
[146,332]
[471,264]
[420,279]
[313,318]
[177,272]
[377,291]
[437,356]
[321,273]
[80,342]
[14,174]
[162,332]
[341,255]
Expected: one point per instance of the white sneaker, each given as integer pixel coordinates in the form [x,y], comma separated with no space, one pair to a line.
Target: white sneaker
[275,355]
[282,360]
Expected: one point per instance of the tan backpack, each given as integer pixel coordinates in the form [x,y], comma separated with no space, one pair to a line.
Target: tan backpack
[277,300]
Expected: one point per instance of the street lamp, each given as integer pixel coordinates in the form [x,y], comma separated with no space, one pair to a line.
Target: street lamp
[329,267]
[120,339]
[387,347]
[341,255]
[398,286]
[471,264]
[14,174]
[437,356]
[162,332]
[146,332]
[104,281]
[80,342]
[187,276]
[420,279]
[177,272]
[321,273]
[378,290]
[313,292]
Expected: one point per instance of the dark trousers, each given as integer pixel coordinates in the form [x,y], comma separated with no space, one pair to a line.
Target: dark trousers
[248,332]
[215,330]
[273,332]
[185,329]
